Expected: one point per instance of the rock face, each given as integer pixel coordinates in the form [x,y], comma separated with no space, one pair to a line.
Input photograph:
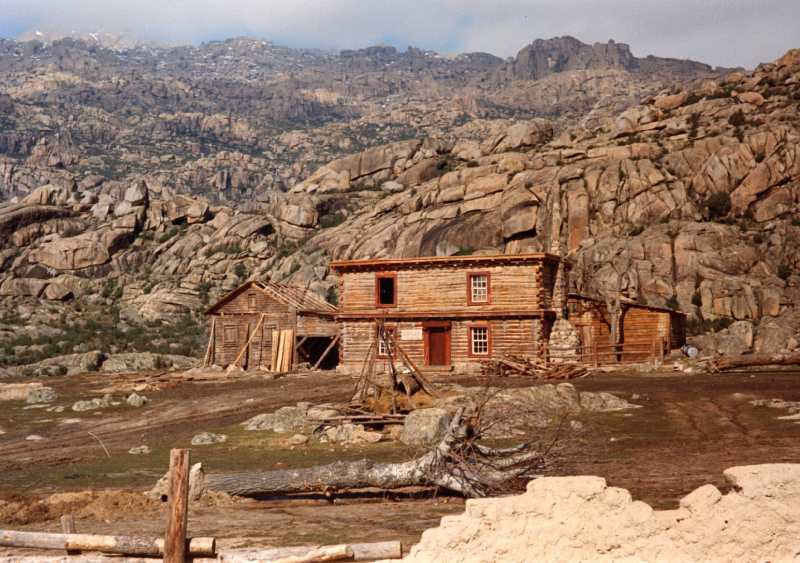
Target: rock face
[757,521]
[282,420]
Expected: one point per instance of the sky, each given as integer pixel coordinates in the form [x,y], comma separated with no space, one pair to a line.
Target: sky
[718,32]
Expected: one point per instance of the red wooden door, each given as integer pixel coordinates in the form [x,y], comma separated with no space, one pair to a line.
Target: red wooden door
[438,346]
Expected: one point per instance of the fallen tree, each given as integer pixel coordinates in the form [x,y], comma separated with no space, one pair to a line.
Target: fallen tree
[457,463]
[752,360]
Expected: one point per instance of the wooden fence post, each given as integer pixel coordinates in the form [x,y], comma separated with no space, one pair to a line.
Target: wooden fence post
[177,507]
[596,359]
[68,527]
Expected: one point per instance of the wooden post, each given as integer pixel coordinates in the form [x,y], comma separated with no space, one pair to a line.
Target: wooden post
[276,342]
[594,349]
[177,506]
[661,349]
[68,527]
[653,353]
[545,354]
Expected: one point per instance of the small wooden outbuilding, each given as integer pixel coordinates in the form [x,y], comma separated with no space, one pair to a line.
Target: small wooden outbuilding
[638,324]
[244,321]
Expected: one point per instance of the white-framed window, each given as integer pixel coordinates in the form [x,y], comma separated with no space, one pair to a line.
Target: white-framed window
[382,351]
[479,340]
[479,287]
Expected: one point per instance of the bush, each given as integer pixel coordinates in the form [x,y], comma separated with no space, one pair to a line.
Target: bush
[465,251]
[240,270]
[672,303]
[697,301]
[72,232]
[332,220]
[737,118]
[472,164]
[718,205]
[784,271]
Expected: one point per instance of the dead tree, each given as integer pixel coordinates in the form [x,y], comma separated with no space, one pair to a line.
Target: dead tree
[620,262]
[457,463]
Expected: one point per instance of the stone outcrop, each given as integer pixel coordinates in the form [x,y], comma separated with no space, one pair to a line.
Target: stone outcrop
[582,519]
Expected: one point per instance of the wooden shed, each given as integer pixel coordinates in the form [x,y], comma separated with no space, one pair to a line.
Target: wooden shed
[447,312]
[639,324]
[243,323]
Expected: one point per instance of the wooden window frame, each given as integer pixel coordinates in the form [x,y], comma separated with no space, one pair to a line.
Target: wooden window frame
[252,302]
[470,353]
[378,278]
[380,356]
[488,275]
[234,342]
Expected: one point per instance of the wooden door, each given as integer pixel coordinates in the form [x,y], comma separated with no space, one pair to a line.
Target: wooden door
[266,343]
[438,353]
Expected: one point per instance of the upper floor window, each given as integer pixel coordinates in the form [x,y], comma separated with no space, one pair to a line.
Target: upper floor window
[386,290]
[478,289]
[251,300]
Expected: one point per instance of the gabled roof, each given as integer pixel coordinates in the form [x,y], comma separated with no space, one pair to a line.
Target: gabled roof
[438,261]
[294,296]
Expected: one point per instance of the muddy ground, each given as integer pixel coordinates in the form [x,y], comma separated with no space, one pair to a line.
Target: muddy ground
[690,429]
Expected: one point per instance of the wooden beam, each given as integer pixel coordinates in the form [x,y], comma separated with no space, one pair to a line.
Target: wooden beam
[326,352]
[177,506]
[302,341]
[122,545]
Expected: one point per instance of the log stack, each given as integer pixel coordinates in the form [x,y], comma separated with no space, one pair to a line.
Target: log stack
[510,365]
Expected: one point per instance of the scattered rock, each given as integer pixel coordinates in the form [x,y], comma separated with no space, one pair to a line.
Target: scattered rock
[135,400]
[425,426]
[196,481]
[298,439]
[282,420]
[34,438]
[90,405]
[17,391]
[42,395]
[207,438]
[139,450]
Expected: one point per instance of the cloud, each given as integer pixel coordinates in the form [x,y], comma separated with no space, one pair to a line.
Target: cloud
[719,32]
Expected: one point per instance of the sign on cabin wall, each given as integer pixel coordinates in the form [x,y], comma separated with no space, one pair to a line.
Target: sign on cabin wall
[411,334]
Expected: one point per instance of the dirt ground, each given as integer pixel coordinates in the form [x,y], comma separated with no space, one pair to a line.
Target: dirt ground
[690,429]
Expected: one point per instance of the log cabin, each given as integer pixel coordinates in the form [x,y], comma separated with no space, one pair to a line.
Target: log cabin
[447,313]
[243,323]
[638,324]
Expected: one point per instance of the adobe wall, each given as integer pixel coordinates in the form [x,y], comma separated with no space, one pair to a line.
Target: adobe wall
[568,519]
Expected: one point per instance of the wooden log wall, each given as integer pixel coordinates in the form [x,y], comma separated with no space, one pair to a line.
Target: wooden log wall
[316,325]
[515,336]
[444,290]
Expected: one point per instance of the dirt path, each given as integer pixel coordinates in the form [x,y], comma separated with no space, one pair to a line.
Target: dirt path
[690,429]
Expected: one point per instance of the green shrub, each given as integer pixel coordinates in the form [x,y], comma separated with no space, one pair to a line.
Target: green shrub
[672,303]
[61,370]
[465,251]
[784,271]
[718,205]
[697,300]
[240,270]
[72,232]
[332,220]
[333,296]
[737,118]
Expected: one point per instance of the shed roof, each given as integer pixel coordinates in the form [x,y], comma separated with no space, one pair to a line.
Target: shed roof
[439,261]
[294,296]
[629,304]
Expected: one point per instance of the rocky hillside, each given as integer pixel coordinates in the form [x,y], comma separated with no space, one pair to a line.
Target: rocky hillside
[241,120]
[696,189]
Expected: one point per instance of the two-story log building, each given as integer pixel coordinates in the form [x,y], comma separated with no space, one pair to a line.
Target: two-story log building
[447,312]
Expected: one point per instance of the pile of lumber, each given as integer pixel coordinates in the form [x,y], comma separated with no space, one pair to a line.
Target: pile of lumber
[510,365]
[282,350]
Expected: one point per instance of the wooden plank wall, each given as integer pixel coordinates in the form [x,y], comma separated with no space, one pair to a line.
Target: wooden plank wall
[311,324]
[517,336]
[239,313]
[444,290]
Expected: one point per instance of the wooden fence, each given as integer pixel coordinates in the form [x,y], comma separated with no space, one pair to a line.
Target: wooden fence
[625,353]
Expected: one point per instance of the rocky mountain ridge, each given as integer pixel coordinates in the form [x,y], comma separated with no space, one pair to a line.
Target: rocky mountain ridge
[241,120]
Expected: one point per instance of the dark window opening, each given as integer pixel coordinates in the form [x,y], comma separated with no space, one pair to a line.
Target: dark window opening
[387,291]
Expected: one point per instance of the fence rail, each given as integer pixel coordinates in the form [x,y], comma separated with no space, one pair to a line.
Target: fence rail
[630,352]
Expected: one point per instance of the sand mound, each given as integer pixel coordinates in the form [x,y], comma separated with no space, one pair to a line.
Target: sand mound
[18,509]
[567,519]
